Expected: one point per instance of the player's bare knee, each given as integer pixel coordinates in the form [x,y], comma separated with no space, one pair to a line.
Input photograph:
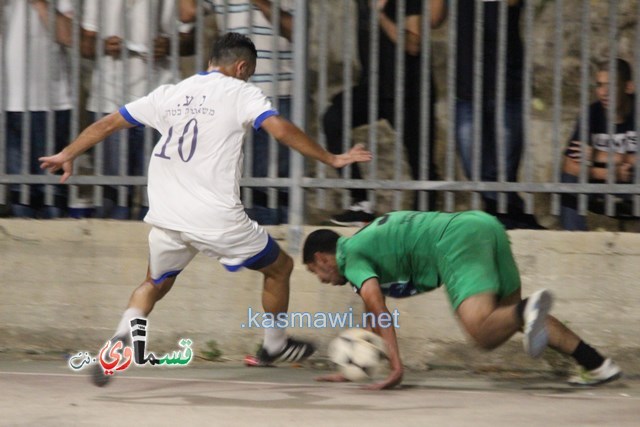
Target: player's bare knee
[282,268]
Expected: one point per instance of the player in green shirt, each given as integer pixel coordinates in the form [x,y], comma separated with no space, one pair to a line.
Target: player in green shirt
[406,253]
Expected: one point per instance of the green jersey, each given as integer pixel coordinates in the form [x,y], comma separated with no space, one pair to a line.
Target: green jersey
[399,249]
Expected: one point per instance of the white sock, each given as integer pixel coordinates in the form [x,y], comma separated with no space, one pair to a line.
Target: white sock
[124,327]
[274,340]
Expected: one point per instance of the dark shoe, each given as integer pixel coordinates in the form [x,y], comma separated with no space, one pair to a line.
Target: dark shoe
[144,210]
[51,212]
[293,351]
[519,221]
[22,211]
[98,377]
[79,213]
[358,215]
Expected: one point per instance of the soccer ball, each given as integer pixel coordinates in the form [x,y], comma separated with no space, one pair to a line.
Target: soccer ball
[358,353]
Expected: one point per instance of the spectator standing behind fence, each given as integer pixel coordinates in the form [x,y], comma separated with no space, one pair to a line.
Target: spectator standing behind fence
[360,211]
[45,81]
[254,18]
[112,72]
[595,151]
[513,114]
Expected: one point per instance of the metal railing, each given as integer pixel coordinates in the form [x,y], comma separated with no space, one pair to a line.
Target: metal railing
[325,61]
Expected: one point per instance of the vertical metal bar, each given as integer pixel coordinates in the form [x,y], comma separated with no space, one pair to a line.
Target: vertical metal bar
[225,17]
[156,13]
[527,150]
[347,81]
[50,114]
[478,90]
[401,11]
[425,104]
[25,161]
[636,197]
[374,95]
[99,154]
[323,84]
[613,103]
[500,103]
[299,117]
[175,43]
[274,159]
[3,112]
[200,34]
[585,78]
[249,157]
[75,89]
[158,28]
[452,42]
[123,141]
[557,95]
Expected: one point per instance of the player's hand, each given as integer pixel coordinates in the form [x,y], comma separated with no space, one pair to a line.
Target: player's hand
[332,378]
[55,163]
[625,172]
[113,46]
[357,154]
[161,47]
[394,378]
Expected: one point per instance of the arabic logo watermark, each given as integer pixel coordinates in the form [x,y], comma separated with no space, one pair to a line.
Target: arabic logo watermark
[115,356]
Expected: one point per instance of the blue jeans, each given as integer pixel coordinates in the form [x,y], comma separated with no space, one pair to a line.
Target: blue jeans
[489,161]
[261,158]
[570,219]
[136,166]
[38,135]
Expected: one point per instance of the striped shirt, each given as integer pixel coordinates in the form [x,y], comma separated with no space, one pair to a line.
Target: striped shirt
[274,70]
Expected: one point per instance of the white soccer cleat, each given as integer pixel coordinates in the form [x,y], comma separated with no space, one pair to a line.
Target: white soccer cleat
[536,336]
[607,372]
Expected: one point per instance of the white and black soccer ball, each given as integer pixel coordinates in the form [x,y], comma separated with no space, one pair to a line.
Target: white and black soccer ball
[359,354]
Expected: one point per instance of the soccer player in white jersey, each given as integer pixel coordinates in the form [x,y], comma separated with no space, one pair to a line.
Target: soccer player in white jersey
[194,200]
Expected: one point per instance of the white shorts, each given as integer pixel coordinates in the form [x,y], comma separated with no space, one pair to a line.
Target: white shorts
[247,245]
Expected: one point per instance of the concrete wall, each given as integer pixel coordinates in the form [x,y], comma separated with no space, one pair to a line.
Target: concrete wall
[64,284]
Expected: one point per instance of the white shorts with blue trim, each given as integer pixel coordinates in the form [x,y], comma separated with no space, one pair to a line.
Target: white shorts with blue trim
[246,245]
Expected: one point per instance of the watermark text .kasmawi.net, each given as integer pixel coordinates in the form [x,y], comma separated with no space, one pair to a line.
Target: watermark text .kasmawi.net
[321,319]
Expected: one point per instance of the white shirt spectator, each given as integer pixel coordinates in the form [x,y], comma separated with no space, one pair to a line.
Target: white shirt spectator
[105,18]
[45,70]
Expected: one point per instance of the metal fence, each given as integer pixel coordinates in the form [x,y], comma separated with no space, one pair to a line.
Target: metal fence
[325,61]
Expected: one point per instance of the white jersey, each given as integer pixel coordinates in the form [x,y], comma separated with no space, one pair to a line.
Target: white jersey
[48,63]
[195,168]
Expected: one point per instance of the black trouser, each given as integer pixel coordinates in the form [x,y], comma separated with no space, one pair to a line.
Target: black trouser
[333,121]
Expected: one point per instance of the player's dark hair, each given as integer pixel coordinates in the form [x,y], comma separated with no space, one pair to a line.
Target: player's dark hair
[623,69]
[232,47]
[322,240]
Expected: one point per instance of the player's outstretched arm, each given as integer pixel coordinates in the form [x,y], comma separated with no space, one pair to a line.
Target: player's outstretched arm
[89,137]
[374,301]
[289,134]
